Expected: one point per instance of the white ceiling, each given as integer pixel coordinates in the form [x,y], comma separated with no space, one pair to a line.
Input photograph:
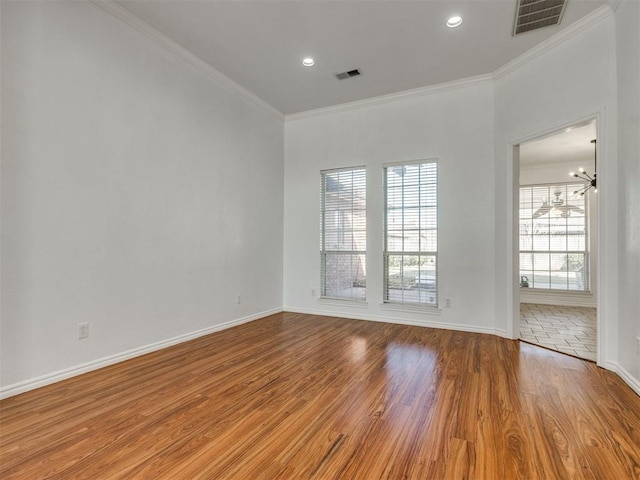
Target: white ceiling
[397,44]
[571,145]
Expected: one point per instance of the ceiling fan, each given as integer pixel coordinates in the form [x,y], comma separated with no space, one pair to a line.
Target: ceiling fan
[556,205]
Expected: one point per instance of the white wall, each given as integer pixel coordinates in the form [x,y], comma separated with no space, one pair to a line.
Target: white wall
[456,127]
[138,194]
[628,70]
[572,82]
[557,172]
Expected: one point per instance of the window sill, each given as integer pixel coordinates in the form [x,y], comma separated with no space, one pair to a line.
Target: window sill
[416,308]
[343,302]
[550,291]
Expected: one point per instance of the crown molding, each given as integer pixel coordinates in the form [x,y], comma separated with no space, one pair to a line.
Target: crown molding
[121,13]
[571,31]
[614,4]
[392,97]
[562,36]
[160,38]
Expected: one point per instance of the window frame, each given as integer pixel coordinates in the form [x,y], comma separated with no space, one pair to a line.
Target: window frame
[405,304]
[324,252]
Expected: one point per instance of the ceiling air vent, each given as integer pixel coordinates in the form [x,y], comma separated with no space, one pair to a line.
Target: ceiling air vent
[351,73]
[533,14]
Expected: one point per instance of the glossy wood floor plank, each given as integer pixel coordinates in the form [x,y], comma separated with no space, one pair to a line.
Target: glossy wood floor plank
[306,397]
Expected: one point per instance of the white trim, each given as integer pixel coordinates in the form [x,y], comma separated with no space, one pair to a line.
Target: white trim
[400,321]
[392,97]
[53,377]
[343,169]
[562,36]
[513,247]
[403,163]
[614,4]
[143,27]
[604,330]
[427,308]
[512,296]
[629,379]
[343,302]
[560,127]
[568,298]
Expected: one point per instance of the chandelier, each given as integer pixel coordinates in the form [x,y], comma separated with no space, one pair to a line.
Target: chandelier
[590,181]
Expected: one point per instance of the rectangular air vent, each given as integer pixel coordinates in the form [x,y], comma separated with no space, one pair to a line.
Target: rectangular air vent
[533,14]
[351,73]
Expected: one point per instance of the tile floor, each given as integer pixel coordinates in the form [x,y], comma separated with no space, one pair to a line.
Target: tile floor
[569,330]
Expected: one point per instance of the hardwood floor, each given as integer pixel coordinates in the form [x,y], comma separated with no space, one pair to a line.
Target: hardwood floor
[305,397]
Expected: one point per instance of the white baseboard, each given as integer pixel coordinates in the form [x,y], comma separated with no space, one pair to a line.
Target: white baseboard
[629,379]
[41,381]
[613,366]
[49,378]
[401,321]
[501,332]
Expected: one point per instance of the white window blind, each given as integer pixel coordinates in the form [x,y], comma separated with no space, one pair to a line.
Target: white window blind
[343,230]
[411,233]
[553,238]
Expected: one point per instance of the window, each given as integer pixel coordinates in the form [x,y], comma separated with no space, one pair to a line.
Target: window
[343,230]
[553,238]
[411,233]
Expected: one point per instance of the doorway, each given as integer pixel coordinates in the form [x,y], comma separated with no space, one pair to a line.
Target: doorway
[557,225]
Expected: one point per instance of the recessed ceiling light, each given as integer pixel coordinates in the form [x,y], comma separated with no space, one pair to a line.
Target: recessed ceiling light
[308,62]
[454,21]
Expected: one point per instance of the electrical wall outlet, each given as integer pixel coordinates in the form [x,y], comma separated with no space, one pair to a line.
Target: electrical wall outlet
[448,302]
[238,299]
[83,330]
[313,292]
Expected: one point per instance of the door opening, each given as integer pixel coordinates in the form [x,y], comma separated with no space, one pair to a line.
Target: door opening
[557,225]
